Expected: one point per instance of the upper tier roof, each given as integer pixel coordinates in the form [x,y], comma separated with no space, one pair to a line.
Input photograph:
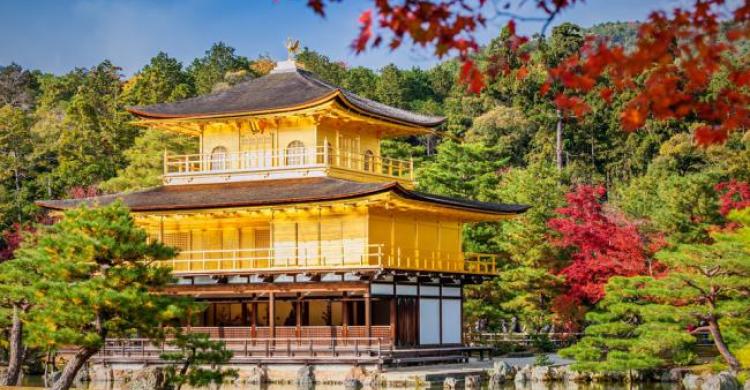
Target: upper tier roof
[277,192]
[285,88]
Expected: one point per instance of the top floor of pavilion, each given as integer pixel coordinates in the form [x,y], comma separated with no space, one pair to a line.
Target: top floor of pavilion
[287,124]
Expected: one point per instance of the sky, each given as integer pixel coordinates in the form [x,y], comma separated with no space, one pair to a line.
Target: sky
[58,35]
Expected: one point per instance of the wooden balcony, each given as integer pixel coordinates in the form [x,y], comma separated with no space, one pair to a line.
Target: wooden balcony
[333,257]
[302,162]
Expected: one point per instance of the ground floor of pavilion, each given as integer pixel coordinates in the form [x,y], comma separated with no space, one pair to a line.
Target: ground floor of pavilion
[325,317]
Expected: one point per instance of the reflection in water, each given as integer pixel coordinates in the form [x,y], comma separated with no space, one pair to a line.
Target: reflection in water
[36,383]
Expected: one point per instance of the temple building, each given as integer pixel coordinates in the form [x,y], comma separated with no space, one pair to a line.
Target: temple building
[297,234]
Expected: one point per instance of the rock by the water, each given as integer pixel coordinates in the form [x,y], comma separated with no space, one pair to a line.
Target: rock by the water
[523,375]
[450,383]
[542,374]
[672,376]
[472,382]
[692,382]
[257,375]
[102,373]
[305,378]
[504,369]
[354,378]
[148,378]
[372,381]
[721,381]
[566,374]
[501,372]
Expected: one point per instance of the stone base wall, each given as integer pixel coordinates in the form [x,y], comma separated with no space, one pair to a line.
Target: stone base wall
[133,376]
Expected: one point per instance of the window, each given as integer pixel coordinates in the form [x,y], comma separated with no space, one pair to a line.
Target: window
[329,153]
[295,153]
[219,159]
[369,161]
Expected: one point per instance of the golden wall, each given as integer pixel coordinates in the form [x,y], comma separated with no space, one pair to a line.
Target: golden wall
[337,236]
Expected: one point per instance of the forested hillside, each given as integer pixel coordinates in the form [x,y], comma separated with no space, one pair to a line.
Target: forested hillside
[599,193]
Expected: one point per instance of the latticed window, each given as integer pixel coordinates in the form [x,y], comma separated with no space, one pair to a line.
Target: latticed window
[295,153]
[219,158]
[179,240]
[369,161]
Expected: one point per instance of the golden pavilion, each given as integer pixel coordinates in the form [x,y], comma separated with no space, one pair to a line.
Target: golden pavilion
[303,241]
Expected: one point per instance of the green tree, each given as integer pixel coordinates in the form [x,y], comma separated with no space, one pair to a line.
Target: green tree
[504,128]
[362,81]
[20,280]
[17,165]
[468,171]
[220,66]
[95,132]
[390,88]
[714,280]
[18,87]
[96,281]
[194,352]
[162,80]
[145,160]
[642,321]
[523,294]
[628,331]
[328,70]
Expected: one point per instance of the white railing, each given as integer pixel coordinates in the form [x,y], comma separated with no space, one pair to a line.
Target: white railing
[293,158]
[328,257]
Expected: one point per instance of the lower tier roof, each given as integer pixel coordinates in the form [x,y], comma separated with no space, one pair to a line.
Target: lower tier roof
[269,193]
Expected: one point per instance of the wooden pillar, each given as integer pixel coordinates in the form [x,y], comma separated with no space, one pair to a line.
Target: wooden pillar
[345,316]
[368,315]
[394,323]
[254,321]
[298,315]
[271,315]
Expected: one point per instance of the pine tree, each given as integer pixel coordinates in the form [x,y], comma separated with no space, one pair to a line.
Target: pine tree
[711,284]
[96,280]
[627,332]
[20,281]
[468,171]
[188,364]
[646,322]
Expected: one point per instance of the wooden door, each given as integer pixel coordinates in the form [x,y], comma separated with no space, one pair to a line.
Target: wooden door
[407,322]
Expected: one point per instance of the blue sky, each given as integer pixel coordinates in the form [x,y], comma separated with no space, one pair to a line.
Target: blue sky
[58,35]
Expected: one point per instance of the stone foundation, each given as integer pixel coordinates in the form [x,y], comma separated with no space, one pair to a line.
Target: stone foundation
[130,376]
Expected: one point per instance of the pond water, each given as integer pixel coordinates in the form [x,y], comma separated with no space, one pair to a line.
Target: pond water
[36,383]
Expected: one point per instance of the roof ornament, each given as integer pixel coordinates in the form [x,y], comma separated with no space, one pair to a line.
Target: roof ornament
[292,48]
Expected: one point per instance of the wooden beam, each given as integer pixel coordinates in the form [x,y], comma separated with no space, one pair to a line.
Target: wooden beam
[269,288]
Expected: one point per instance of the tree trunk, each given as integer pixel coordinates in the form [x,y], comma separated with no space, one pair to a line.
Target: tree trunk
[15,341]
[72,367]
[558,139]
[713,327]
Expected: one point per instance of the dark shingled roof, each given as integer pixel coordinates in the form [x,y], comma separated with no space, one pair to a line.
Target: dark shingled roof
[276,192]
[278,91]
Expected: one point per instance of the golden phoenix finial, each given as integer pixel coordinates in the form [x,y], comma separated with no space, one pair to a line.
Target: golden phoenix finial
[292,46]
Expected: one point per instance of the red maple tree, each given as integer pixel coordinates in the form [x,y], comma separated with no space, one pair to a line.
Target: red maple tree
[733,195]
[602,244]
[669,72]
[11,240]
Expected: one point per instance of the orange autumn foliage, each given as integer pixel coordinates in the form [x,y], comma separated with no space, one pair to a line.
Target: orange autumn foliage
[669,71]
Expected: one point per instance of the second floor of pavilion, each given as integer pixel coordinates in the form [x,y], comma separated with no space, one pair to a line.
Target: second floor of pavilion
[288,124]
[320,224]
